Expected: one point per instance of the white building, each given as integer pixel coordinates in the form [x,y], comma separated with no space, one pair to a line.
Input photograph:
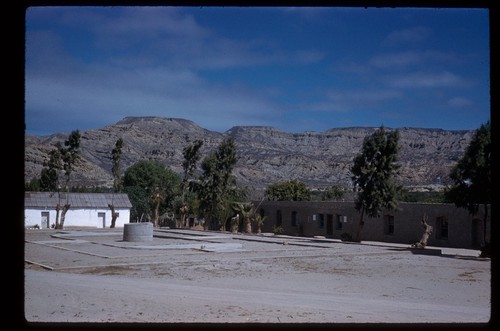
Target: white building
[87,209]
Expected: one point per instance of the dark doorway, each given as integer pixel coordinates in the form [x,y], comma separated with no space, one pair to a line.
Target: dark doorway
[279,218]
[329,225]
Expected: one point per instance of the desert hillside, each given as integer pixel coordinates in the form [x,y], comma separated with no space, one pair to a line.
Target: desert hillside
[266,155]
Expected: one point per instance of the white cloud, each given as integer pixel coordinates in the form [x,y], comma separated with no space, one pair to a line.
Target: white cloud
[408,58]
[459,102]
[411,35]
[307,13]
[102,91]
[426,80]
[151,67]
[343,101]
[363,96]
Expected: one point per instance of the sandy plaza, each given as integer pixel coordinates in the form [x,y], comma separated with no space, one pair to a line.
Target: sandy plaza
[189,276]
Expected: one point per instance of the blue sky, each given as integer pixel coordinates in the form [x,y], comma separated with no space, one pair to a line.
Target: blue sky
[295,69]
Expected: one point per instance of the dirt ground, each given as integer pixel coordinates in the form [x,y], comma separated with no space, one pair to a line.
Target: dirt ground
[202,277]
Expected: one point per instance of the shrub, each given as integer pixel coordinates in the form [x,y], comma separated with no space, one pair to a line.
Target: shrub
[278,230]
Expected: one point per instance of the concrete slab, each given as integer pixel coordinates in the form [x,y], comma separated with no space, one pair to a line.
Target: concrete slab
[425,251]
[223,247]
[203,246]
[61,241]
[87,233]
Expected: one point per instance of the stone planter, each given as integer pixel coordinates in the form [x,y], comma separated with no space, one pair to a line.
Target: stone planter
[138,231]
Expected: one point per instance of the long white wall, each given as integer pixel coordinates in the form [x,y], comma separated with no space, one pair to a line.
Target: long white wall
[77,217]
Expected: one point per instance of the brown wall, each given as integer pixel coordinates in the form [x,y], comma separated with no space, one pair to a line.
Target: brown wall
[464,230]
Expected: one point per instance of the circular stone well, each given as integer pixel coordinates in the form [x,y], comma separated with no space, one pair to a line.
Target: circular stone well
[138,231]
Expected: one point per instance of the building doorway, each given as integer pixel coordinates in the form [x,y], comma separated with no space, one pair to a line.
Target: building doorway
[279,218]
[476,233]
[329,224]
[45,224]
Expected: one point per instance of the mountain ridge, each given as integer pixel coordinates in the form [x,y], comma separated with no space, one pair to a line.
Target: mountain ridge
[265,154]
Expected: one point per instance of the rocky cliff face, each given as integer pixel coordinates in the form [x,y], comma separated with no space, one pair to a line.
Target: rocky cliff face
[266,155]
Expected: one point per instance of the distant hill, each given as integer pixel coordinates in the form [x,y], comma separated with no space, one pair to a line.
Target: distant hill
[266,155]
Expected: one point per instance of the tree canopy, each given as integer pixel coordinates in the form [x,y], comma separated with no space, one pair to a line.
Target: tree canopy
[471,176]
[61,158]
[191,155]
[292,190]
[147,184]
[217,185]
[373,175]
[116,155]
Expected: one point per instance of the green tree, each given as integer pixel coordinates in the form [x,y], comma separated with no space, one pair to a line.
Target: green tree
[61,158]
[116,154]
[70,154]
[152,188]
[217,185]
[335,192]
[49,180]
[373,175]
[259,221]
[49,177]
[292,190]
[33,185]
[472,176]
[191,155]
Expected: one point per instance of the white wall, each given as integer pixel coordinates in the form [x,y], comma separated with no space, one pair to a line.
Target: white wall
[77,217]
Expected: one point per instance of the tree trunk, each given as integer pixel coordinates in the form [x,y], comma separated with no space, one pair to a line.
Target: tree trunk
[114,215]
[182,220]
[207,223]
[156,211]
[58,208]
[360,227]
[234,223]
[248,225]
[63,215]
[183,211]
[484,223]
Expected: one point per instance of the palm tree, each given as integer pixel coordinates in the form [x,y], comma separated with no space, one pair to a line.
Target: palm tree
[259,221]
[247,211]
[235,222]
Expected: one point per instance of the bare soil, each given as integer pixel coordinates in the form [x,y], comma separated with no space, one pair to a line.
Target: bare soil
[201,277]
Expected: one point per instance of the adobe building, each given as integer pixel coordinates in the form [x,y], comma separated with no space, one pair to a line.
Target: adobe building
[452,226]
[87,209]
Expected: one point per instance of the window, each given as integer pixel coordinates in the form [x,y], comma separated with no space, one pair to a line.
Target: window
[294,218]
[340,219]
[441,228]
[321,220]
[389,224]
